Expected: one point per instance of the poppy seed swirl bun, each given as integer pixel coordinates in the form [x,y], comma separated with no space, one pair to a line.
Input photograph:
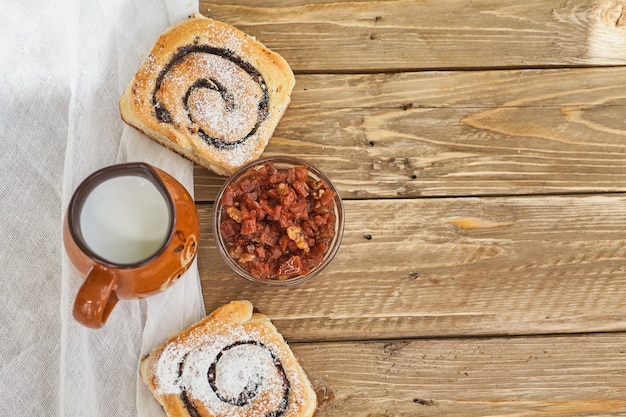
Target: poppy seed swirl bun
[209,92]
[232,363]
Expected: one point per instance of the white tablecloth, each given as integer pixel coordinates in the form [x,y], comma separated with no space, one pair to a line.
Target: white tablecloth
[63,66]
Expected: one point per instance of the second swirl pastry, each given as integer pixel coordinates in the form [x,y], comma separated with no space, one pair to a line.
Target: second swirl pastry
[232,363]
[209,92]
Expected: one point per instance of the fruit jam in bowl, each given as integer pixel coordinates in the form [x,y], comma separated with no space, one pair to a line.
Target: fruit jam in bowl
[278,221]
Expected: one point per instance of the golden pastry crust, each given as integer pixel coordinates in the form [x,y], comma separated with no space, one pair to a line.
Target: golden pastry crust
[209,92]
[232,363]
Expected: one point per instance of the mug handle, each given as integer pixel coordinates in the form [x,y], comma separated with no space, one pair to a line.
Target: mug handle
[96,298]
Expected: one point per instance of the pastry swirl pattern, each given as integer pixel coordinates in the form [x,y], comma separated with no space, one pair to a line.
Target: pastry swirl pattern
[209,92]
[238,375]
[233,363]
[254,378]
[212,93]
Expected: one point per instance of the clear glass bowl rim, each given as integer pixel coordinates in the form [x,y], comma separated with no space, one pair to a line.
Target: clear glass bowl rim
[280,161]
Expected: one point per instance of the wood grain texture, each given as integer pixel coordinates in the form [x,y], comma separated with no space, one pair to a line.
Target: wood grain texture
[480,148]
[406,35]
[507,377]
[452,267]
[457,133]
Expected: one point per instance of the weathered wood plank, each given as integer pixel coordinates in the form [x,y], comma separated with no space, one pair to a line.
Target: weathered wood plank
[457,133]
[392,35]
[452,267]
[513,377]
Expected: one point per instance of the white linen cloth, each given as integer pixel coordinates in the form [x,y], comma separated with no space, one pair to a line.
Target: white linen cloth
[63,66]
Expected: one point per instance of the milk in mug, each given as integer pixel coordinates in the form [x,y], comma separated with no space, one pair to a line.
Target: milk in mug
[125,220]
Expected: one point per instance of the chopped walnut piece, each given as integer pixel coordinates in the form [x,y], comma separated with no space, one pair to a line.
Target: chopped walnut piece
[246,257]
[234,213]
[282,189]
[295,234]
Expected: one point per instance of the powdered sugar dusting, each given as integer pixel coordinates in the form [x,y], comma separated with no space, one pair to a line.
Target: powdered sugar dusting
[215,99]
[228,109]
[244,368]
[241,154]
[234,371]
[221,118]
[226,36]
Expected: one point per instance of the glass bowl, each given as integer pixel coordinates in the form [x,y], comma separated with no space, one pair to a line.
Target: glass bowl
[278,221]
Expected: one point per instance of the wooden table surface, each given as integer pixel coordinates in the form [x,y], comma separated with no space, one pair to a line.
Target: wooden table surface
[480,148]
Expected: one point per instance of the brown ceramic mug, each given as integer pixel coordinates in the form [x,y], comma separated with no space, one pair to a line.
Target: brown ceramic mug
[131,230]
